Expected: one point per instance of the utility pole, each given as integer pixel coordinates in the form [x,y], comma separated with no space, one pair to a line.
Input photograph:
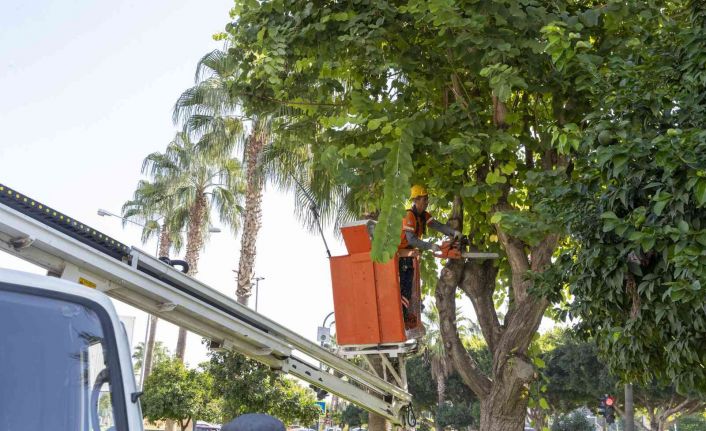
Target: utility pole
[629,418]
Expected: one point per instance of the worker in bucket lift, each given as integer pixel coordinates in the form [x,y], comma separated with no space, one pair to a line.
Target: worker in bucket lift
[414,226]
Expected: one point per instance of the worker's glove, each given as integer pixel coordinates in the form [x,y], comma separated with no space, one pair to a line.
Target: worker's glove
[435,248]
[457,235]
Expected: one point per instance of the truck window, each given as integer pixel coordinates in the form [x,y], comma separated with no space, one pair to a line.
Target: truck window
[54,370]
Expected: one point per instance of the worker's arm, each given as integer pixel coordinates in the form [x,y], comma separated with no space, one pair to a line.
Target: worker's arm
[445,229]
[418,243]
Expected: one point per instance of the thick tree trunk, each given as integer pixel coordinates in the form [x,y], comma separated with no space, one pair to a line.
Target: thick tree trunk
[503,410]
[503,394]
[252,217]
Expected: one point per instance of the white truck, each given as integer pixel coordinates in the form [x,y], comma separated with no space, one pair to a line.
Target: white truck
[64,357]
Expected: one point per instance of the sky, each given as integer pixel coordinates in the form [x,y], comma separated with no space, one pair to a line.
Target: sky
[86,92]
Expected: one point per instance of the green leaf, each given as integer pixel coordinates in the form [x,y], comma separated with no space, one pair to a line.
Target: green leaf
[374,124]
[543,404]
[398,167]
[659,207]
[700,191]
[647,243]
[683,226]
[495,219]
[340,16]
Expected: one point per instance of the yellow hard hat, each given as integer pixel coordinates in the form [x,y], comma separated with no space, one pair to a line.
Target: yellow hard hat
[418,190]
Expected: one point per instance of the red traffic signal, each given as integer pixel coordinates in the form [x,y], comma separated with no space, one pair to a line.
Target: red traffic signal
[609,401]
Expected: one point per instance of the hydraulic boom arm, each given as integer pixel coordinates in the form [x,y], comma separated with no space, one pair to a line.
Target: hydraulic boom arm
[69,249]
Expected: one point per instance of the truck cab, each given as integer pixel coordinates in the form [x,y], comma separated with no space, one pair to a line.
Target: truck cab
[64,358]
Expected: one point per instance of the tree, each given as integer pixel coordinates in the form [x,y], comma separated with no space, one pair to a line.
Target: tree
[638,202]
[210,109]
[456,94]
[460,406]
[197,184]
[435,354]
[160,354]
[148,207]
[247,386]
[354,416]
[574,421]
[692,423]
[576,377]
[173,392]
[664,405]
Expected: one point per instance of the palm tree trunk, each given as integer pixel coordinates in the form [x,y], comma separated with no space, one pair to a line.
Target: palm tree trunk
[164,242]
[163,251]
[252,217]
[150,346]
[194,244]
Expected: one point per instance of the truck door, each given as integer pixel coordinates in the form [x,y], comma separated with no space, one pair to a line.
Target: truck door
[59,368]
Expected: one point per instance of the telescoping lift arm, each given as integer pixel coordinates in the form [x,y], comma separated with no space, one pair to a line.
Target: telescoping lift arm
[71,250]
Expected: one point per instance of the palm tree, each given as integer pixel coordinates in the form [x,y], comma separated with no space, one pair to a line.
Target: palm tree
[148,207]
[196,184]
[211,111]
[435,353]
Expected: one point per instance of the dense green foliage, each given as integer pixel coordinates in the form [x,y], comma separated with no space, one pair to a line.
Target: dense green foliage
[354,416]
[574,421]
[461,407]
[173,392]
[391,93]
[160,354]
[575,376]
[246,386]
[537,120]
[637,208]
[692,423]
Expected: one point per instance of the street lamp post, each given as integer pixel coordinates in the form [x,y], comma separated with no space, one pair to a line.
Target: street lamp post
[257,285]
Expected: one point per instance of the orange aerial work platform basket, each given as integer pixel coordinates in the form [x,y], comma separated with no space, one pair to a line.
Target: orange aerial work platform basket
[366,294]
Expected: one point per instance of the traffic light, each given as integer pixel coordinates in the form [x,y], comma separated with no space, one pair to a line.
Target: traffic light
[601,406]
[606,408]
[609,409]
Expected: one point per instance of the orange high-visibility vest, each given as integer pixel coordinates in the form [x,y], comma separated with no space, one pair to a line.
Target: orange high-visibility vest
[416,223]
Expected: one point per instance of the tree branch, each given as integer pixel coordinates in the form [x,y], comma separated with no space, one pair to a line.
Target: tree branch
[519,264]
[683,406]
[541,254]
[524,319]
[478,283]
[464,364]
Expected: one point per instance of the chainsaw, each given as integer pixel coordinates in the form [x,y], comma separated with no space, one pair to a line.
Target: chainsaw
[458,249]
